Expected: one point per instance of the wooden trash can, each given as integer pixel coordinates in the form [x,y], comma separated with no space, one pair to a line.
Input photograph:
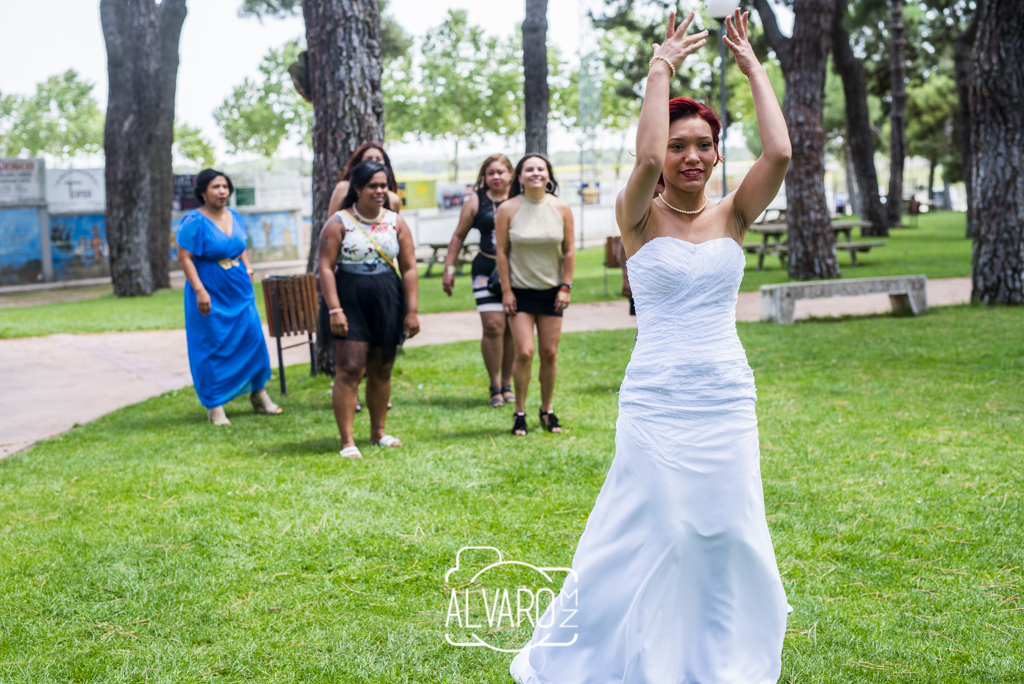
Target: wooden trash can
[291,306]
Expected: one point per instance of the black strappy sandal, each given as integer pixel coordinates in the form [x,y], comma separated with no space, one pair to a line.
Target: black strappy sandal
[519,423]
[497,401]
[507,394]
[551,424]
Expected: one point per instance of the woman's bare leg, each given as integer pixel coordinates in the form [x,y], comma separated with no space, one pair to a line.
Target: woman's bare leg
[491,345]
[349,366]
[522,335]
[378,392]
[549,333]
[508,355]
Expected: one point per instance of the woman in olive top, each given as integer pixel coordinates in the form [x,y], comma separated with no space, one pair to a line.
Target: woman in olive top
[536,258]
[490,190]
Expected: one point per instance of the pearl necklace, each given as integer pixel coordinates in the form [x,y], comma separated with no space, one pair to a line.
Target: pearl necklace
[366,220]
[683,211]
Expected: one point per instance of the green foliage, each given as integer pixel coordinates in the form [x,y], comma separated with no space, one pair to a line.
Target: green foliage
[262,112]
[151,544]
[396,41]
[61,120]
[931,110]
[189,144]
[464,86]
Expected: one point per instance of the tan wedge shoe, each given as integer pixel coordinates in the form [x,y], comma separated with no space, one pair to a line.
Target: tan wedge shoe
[261,403]
[217,417]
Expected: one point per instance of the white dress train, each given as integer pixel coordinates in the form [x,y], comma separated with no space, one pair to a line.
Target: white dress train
[675,573]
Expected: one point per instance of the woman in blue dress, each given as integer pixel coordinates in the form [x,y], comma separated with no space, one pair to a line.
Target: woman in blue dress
[226,349]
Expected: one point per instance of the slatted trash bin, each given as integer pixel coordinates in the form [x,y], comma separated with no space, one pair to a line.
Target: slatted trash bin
[291,310]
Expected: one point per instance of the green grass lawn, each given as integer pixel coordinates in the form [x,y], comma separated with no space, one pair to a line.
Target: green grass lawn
[151,547]
[936,248]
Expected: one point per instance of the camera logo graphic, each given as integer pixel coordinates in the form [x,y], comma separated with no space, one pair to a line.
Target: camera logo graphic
[501,604]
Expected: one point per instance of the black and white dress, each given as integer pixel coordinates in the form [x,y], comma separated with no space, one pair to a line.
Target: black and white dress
[485,261]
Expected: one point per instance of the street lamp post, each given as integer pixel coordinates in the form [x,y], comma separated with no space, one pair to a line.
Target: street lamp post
[581,140]
[720,9]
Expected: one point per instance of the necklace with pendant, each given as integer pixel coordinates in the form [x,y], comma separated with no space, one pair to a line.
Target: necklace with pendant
[683,211]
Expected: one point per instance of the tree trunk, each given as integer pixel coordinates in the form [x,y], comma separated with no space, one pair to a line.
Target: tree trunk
[851,184]
[535,75]
[811,253]
[344,52]
[962,70]
[131,34]
[898,116]
[860,140]
[172,16]
[932,163]
[778,42]
[997,135]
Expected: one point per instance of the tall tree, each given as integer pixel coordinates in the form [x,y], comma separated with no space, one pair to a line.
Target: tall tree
[963,45]
[997,145]
[62,119]
[859,137]
[138,136]
[897,116]
[535,72]
[345,49]
[804,59]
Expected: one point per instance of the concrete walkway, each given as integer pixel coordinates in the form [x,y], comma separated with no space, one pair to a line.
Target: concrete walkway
[52,383]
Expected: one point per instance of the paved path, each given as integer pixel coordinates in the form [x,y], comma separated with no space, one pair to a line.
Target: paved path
[51,383]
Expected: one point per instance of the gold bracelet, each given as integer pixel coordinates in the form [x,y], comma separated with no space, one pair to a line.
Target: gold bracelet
[657,57]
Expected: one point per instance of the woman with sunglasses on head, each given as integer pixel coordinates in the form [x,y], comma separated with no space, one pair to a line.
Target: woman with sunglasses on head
[536,252]
[489,192]
[226,349]
[677,578]
[372,308]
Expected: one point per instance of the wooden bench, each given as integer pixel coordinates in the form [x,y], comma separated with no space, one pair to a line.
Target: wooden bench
[854,247]
[908,294]
[440,252]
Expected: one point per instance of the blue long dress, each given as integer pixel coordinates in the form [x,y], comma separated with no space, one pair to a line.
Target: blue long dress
[226,350]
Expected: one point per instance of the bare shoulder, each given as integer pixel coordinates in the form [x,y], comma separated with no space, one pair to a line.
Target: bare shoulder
[509,207]
[393,199]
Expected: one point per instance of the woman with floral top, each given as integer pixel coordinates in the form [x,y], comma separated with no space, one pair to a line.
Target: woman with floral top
[372,309]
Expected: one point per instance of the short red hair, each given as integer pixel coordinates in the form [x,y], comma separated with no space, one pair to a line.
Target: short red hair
[685,108]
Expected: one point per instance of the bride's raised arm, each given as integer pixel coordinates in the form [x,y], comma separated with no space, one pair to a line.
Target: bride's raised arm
[634,202]
[762,182]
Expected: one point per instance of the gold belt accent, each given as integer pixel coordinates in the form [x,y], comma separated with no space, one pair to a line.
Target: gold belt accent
[228,263]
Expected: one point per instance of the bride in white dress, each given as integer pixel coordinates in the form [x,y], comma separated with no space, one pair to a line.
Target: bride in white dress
[675,577]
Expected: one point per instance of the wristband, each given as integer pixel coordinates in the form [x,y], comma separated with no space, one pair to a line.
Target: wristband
[449,269]
[331,312]
[566,286]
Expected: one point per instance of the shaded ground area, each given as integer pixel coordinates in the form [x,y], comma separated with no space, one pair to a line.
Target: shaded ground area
[151,544]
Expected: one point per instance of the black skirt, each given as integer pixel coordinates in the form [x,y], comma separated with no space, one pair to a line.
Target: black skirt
[537,302]
[374,305]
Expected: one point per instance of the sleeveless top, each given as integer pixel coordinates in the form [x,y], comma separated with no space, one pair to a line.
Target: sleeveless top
[484,221]
[357,248]
[535,239]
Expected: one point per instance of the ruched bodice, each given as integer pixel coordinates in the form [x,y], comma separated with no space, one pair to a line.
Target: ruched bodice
[687,353]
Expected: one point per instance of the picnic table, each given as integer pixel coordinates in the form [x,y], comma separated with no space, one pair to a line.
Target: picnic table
[772,233]
[439,252]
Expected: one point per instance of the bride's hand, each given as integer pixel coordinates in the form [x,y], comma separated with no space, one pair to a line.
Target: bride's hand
[738,42]
[678,45]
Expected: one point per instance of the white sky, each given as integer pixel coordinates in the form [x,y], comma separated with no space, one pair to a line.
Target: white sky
[219,49]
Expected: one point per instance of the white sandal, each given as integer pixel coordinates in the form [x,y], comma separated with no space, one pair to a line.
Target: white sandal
[216,416]
[351,452]
[388,441]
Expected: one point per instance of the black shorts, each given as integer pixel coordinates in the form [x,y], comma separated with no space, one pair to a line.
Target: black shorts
[537,302]
[486,300]
[374,305]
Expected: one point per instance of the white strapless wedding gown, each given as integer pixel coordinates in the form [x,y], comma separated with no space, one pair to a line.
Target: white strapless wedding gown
[675,572]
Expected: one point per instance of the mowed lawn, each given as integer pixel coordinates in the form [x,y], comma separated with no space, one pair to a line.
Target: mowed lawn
[936,248]
[150,546]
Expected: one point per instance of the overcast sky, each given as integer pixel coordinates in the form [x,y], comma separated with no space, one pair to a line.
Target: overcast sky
[219,48]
